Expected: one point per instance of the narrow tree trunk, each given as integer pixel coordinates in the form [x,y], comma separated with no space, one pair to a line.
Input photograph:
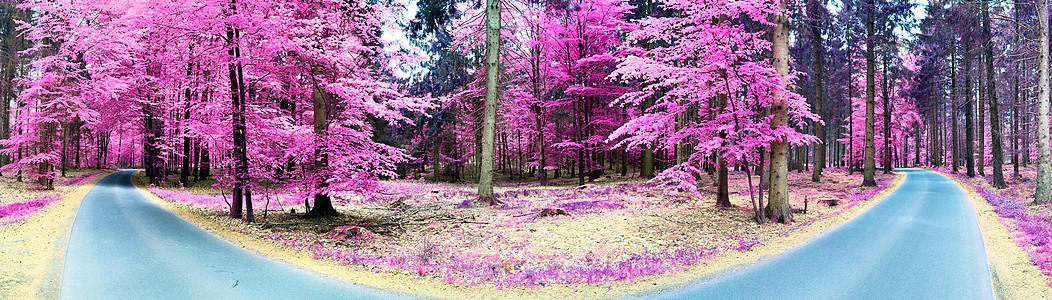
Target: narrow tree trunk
[969,111]
[917,146]
[933,151]
[887,115]
[980,160]
[542,174]
[65,147]
[646,169]
[76,145]
[184,174]
[955,112]
[819,107]
[1015,117]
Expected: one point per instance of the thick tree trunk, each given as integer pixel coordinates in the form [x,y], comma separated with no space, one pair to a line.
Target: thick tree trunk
[870,151]
[1043,192]
[995,112]
[723,198]
[489,113]
[322,201]
[778,202]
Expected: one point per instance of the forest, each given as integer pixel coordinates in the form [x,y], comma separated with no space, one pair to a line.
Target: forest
[353,120]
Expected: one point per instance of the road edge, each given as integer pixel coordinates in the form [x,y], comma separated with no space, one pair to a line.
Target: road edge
[736,261]
[45,272]
[432,289]
[1009,265]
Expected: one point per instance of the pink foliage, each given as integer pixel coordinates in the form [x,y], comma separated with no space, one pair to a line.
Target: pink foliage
[14,212]
[709,84]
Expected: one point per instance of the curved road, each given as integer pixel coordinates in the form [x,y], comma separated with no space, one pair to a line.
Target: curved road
[124,246]
[921,242]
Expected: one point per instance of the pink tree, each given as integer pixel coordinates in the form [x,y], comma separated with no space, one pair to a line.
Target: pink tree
[710,85]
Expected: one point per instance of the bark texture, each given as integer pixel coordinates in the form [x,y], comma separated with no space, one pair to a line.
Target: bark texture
[1043,194]
[778,196]
[489,113]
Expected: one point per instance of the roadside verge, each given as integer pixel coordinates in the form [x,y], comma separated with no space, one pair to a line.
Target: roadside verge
[1014,277]
[32,251]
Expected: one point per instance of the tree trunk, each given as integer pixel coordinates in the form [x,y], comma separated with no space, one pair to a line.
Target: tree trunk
[76,145]
[237,124]
[870,151]
[980,160]
[969,111]
[933,133]
[995,111]
[955,108]
[886,157]
[723,198]
[205,167]
[184,174]
[1043,193]
[542,174]
[819,107]
[65,147]
[1015,114]
[322,201]
[489,114]
[646,169]
[778,203]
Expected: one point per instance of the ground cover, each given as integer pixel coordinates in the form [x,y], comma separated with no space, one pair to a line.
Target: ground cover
[33,232]
[19,200]
[612,230]
[1030,225]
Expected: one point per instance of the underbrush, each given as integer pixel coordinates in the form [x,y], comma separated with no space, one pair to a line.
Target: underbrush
[19,200]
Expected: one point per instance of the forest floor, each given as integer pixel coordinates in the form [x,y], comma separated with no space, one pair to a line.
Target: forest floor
[34,225]
[1018,233]
[609,233]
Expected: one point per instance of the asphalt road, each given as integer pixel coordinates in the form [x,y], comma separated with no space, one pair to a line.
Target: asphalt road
[124,246]
[922,242]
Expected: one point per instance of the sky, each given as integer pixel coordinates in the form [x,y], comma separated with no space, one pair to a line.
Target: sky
[396,36]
